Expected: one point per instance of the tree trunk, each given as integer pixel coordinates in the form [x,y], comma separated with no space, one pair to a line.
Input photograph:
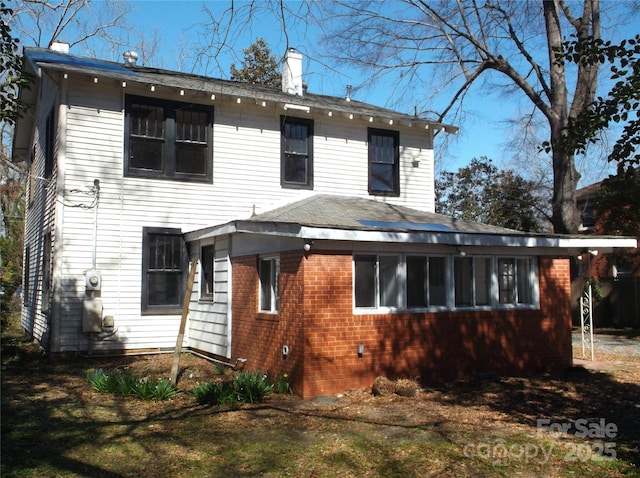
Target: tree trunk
[565,217]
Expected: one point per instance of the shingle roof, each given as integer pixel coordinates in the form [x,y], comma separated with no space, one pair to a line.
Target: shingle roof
[153,76]
[355,213]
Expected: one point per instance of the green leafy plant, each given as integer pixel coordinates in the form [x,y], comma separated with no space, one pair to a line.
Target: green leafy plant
[164,390]
[144,389]
[216,393]
[129,384]
[282,385]
[596,291]
[252,386]
[99,379]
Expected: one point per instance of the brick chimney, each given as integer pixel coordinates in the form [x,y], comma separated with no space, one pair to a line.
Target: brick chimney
[292,73]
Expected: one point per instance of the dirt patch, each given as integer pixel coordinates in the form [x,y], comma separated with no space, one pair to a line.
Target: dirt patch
[451,415]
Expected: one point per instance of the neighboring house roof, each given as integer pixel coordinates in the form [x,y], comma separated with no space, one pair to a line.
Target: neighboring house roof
[64,62]
[358,219]
[588,192]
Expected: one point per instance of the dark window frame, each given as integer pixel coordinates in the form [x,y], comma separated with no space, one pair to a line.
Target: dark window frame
[207,272]
[169,140]
[49,143]
[26,281]
[287,157]
[147,308]
[394,167]
[46,273]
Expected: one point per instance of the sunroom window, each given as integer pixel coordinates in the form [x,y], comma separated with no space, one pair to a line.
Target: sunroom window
[514,281]
[412,282]
[377,283]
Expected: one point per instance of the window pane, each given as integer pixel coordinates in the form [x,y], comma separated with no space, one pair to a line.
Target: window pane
[295,138]
[507,281]
[365,285]
[416,277]
[146,120]
[206,265]
[382,177]
[295,169]
[383,149]
[463,277]
[437,281]
[145,153]
[525,294]
[191,125]
[165,253]
[266,285]
[191,158]
[389,284]
[164,288]
[482,269]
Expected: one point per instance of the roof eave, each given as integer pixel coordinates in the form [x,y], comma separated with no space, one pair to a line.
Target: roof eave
[352,110]
[554,244]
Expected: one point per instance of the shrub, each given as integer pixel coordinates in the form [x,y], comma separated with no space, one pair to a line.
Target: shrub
[98,379]
[282,385]
[164,390]
[216,393]
[144,389]
[252,387]
[127,384]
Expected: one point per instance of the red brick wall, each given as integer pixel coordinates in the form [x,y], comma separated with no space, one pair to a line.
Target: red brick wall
[433,347]
[259,337]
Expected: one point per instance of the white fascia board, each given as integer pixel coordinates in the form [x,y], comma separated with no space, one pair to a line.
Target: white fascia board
[558,243]
[209,232]
[472,239]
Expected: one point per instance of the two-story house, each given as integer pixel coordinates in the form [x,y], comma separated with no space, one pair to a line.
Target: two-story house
[310,220]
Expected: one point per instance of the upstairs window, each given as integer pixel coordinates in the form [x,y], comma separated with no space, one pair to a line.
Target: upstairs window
[384,162]
[164,270]
[297,153]
[168,140]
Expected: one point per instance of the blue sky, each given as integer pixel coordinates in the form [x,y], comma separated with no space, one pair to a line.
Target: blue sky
[176,22]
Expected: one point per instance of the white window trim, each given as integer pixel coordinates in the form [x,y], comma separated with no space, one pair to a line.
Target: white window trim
[275,289]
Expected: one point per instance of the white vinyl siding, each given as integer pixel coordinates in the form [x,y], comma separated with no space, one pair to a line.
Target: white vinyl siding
[246,178]
[209,326]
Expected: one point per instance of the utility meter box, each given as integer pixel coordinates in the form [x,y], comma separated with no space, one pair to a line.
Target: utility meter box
[92,315]
[93,280]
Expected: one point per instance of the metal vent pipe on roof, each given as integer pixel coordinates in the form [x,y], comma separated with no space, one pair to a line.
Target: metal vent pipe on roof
[130,58]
